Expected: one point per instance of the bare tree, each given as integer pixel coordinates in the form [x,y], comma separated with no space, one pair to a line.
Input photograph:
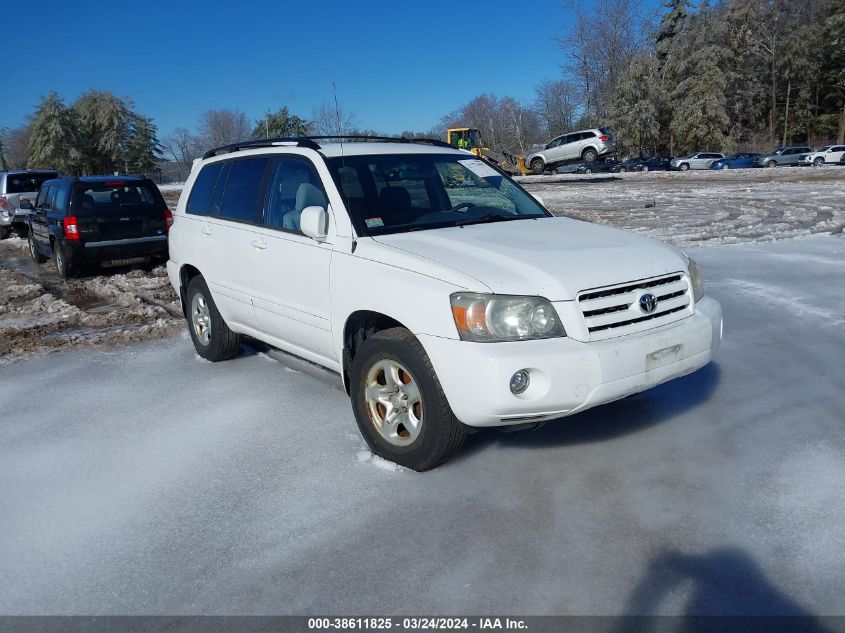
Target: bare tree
[184,147]
[223,127]
[332,120]
[556,103]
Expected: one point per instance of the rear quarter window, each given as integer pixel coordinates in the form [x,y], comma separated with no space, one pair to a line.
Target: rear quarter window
[199,201]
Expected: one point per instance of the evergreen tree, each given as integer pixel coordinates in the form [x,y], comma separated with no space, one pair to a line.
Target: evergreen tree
[634,115]
[54,137]
[672,24]
[104,121]
[281,123]
[142,146]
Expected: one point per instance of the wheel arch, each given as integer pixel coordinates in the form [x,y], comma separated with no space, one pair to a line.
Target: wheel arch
[357,327]
[186,273]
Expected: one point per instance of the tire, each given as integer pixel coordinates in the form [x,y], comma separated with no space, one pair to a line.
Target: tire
[64,266]
[683,166]
[589,155]
[622,170]
[588,171]
[818,162]
[771,164]
[5,231]
[645,167]
[538,166]
[212,338]
[431,433]
[37,257]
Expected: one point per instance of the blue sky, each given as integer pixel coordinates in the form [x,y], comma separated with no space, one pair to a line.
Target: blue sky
[397,65]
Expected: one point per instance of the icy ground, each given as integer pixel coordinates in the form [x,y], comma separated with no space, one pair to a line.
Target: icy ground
[140,480]
[696,207]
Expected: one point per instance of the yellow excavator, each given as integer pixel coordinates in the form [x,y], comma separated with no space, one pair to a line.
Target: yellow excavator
[469,138]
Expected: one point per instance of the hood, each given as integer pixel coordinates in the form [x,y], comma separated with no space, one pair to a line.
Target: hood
[551,257]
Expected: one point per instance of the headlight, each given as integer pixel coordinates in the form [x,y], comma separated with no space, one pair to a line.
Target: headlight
[695,279]
[493,318]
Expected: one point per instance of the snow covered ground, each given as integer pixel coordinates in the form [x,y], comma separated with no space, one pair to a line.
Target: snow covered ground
[141,480]
[695,207]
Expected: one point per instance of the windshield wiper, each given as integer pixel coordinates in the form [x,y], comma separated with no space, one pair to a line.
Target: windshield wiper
[491,217]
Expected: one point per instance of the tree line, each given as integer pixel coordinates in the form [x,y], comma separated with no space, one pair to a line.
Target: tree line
[725,75]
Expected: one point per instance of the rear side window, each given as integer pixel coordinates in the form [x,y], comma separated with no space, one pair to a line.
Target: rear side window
[200,200]
[24,183]
[112,196]
[586,135]
[240,201]
[60,198]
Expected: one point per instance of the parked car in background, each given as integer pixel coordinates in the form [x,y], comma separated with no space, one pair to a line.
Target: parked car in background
[598,167]
[655,163]
[586,145]
[498,313]
[783,156]
[826,154]
[742,160]
[699,160]
[111,220]
[15,186]
[571,168]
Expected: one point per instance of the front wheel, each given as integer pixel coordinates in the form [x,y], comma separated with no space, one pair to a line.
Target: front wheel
[212,338]
[538,166]
[818,162]
[771,164]
[645,167]
[684,167]
[588,171]
[398,402]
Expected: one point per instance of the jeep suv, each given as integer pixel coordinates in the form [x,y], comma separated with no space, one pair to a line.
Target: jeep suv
[114,220]
[442,292]
[15,187]
[586,145]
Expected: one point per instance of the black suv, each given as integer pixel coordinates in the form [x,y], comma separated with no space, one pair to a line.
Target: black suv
[116,220]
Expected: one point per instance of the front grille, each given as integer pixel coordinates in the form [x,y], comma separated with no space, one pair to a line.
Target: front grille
[615,310]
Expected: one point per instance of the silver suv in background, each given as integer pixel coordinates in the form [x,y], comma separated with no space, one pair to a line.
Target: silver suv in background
[699,160]
[783,156]
[16,186]
[586,145]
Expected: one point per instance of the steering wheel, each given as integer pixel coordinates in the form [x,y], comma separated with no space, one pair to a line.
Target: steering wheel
[466,206]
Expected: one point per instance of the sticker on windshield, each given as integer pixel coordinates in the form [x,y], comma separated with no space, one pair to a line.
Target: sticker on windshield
[373,222]
[479,167]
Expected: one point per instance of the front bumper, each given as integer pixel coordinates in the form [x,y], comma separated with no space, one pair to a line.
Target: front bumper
[568,376]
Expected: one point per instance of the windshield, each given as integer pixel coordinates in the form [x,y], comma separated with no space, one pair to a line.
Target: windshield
[412,192]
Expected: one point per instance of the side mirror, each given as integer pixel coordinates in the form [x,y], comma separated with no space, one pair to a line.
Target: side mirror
[26,204]
[314,222]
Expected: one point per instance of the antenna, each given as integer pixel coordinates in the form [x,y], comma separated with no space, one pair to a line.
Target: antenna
[337,117]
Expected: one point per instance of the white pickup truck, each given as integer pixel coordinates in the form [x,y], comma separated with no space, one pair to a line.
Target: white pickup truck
[444,294]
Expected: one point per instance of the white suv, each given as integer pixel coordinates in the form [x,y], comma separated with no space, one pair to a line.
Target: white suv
[826,154]
[441,291]
[585,145]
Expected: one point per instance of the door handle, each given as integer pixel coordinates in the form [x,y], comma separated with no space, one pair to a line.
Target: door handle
[206,230]
[259,244]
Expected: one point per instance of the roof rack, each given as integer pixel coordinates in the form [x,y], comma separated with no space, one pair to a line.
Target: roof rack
[310,142]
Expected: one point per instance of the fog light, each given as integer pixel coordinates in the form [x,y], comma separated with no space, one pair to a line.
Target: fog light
[519,381]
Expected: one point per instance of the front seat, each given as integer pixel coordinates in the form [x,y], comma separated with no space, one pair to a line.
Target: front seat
[307,195]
